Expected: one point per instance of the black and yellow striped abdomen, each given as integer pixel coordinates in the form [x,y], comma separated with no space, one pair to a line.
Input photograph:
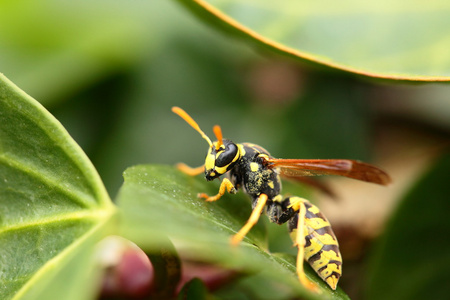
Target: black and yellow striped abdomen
[321,246]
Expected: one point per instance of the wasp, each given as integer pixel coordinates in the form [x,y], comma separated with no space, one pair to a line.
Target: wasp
[252,169]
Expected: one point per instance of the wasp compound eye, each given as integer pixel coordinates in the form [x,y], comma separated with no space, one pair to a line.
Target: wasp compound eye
[226,157]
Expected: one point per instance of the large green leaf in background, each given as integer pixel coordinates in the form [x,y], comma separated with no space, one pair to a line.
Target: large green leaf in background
[53,48]
[406,40]
[53,205]
[413,258]
[160,201]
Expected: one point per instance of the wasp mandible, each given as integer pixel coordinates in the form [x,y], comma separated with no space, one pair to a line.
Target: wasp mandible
[251,168]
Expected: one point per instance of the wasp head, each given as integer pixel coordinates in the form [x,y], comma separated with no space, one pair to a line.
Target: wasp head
[220,160]
[222,154]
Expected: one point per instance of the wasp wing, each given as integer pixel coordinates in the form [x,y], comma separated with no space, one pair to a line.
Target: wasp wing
[341,167]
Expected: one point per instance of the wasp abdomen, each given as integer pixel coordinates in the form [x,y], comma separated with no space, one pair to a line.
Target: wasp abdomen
[321,246]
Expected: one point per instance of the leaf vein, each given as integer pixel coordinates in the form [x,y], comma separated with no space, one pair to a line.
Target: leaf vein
[72,216]
[77,196]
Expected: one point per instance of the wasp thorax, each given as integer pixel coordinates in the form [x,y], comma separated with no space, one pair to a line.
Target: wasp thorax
[220,160]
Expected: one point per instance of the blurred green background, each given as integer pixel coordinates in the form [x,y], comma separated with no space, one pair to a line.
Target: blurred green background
[111,70]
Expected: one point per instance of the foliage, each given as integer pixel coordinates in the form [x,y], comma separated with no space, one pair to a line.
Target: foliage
[111,79]
[54,206]
[360,37]
[426,206]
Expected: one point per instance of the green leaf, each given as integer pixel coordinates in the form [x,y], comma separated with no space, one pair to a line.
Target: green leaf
[407,40]
[53,205]
[160,201]
[52,62]
[412,259]
[193,290]
[167,269]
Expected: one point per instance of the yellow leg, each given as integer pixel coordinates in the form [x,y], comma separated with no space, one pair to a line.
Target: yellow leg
[300,243]
[254,217]
[190,171]
[226,185]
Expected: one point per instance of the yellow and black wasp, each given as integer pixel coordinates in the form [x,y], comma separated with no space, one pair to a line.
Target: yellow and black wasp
[251,168]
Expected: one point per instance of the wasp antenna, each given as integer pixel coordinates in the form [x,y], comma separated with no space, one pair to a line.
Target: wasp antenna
[184,115]
[218,133]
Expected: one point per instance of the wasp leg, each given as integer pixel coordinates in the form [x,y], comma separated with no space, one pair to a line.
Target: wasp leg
[226,185]
[190,171]
[254,217]
[300,242]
